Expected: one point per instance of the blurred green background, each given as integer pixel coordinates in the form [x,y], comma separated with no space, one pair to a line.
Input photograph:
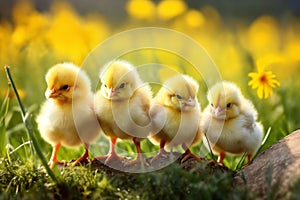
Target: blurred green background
[239,36]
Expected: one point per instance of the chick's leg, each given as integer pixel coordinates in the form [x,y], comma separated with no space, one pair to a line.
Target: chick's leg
[249,156]
[221,157]
[53,159]
[162,151]
[188,154]
[112,155]
[84,156]
[139,157]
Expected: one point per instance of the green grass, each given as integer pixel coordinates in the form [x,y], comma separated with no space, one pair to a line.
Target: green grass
[24,181]
[174,183]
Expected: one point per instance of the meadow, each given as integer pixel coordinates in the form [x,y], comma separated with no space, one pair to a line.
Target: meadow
[241,50]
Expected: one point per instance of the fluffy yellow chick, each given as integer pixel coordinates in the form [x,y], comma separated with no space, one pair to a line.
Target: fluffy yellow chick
[176,115]
[229,122]
[67,117]
[122,105]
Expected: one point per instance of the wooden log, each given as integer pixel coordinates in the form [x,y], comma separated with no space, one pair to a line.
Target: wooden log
[275,169]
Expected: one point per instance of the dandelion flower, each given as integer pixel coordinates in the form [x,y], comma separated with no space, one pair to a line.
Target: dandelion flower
[141,9]
[194,18]
[11,93]
[264,82]
[168,9]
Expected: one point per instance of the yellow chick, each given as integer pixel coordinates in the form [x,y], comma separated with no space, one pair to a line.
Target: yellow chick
[229,122]
[122,105]
[176,116]
[67,117]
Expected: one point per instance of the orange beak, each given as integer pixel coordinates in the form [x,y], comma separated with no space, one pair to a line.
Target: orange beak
[51,93]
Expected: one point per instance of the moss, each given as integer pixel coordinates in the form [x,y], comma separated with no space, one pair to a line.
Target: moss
[25,181]
[173,182]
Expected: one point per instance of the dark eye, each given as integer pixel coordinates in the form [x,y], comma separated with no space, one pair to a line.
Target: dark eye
[65,87]
[228,105]
[105,85]
[178,96]
[212,105]
[122,85]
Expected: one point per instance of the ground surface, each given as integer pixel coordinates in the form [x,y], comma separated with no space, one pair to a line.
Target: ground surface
[274,174]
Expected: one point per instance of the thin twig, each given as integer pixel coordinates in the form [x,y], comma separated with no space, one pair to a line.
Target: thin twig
[29,128]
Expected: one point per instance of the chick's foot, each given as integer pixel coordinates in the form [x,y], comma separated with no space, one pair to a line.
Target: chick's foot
[111,157]
[162,154]
[61,163]
[188,154]
[139,160]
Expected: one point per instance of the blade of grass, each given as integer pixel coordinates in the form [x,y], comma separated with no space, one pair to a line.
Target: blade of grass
[4,106]
[238,166]
[263,142]
[20,146]
[271,188]
[244,155]
[28,125]
[211,153]
[3,113]
[267,136]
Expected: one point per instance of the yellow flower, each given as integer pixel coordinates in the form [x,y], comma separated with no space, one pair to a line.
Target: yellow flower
[11,93]
[168,9]
[194,18]
[264,82]
[263,36]
[71,36]
[141,9]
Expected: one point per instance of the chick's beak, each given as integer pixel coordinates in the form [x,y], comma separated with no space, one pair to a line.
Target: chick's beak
[51,93]
[190,102]
[218,111]
[111,92]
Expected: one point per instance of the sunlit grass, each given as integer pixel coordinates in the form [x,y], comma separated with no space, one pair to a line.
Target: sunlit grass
[25,181]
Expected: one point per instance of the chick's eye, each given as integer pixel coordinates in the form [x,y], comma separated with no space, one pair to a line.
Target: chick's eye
[122,85]
[105,85]
[212,105]
[228,105]
[178,96]
[65,87]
